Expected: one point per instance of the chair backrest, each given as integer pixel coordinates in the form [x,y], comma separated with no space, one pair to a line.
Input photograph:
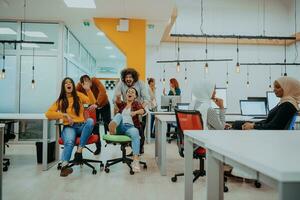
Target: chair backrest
[187,120]
[291,124]
[90,114]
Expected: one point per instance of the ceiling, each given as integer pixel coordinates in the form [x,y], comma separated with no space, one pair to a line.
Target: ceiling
[156,12]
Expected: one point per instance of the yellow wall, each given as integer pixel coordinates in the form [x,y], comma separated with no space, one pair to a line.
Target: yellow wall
[131,43]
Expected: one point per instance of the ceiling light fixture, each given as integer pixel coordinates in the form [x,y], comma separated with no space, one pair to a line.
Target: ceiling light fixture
[2,75]
[35,34]
[248,83]
[80,3]
[238,68]
[227,75]
[270,78]
[178,56]
[33,84]
[100,33]
[206,52]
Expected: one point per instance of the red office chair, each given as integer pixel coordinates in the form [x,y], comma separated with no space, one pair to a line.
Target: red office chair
[92,140]
[190,120]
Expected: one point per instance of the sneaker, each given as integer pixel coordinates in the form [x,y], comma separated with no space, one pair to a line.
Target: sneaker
[78,158]
[65,171]
[136,166]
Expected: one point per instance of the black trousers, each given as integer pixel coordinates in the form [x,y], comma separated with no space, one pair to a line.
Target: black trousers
[142,132]
[103,115]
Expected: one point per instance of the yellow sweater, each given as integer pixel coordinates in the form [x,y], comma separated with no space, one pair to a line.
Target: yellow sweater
[53,113]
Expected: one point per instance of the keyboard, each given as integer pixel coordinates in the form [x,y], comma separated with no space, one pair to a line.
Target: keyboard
[259,117]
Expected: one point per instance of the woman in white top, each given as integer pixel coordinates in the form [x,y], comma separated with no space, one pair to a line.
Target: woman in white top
[153,102]
[203,92]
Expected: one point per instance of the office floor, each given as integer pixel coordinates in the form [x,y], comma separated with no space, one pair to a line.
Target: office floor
[25,180]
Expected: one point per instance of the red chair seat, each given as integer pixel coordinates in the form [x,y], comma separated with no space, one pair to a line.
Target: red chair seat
[200,151]
[92,139]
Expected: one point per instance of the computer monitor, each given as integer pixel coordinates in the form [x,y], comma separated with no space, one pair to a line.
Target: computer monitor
[253,108]
[183,106]
[273,100]
[264,99]
[220,93]
[166,101]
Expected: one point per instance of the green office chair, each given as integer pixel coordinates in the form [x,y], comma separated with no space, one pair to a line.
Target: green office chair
[124,141]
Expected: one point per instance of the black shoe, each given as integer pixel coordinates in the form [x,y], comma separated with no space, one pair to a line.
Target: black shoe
[130,155]
[98,149]
[78,158]
[142,150]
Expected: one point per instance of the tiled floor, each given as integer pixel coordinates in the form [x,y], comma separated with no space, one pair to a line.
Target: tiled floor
[25,180]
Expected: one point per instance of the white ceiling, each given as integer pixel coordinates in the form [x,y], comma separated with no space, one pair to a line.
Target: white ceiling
[156,12]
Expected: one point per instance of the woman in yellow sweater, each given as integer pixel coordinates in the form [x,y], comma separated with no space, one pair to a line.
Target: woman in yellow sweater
[69,107]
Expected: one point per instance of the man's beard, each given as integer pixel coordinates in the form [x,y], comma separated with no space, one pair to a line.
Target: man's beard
[129,84]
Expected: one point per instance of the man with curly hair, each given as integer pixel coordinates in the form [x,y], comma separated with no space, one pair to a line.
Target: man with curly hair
[129,79]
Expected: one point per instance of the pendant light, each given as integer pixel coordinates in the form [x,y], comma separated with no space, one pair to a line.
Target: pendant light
[164,76]
[178,56]
[285,74]
[270,78]
[238,68]
[2,75]
[248,82]
[33,83]
[206,52]
[227,76]
[185,76]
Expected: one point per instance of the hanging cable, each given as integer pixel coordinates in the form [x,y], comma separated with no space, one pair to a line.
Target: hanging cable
[264,18]
[201,23]
[296,46]
[285,74]
[206,53]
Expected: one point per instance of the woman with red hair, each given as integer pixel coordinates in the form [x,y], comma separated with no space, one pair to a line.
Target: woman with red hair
[174,88]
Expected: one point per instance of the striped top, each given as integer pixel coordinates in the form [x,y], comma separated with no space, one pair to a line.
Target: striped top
[215,121]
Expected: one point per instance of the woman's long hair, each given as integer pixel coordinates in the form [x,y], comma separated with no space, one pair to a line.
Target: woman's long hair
[174,83]
[62,100]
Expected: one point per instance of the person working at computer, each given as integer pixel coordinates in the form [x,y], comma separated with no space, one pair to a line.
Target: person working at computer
[102,105]
[153,103]
[130,78]
[288,90]
[69,108]
[204,92]
[128,123]
[174,88]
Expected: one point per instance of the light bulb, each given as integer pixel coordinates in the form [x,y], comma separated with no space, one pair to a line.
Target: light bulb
[164,81]
[248,84]
[206,67]
[185,80]
[3,74]
[227,83]
[238,68]
[33,84]
[178,67]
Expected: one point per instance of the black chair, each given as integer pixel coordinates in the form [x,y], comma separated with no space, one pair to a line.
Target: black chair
[8,135]
[191,120]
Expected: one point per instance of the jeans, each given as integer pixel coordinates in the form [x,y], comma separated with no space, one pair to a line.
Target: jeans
[69,134]
[129,130]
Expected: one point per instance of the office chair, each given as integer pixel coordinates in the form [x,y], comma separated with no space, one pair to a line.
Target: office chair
[191,120]
[291,124]
[8,135]
[92,140]
[124,141]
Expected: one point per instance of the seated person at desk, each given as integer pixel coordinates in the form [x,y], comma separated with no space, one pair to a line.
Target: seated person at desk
[127,120]
[174,88]
[288,90]
[203,92]
[69,108]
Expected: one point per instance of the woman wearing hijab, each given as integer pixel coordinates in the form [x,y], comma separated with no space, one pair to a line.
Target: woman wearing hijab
[203,92]
[288,90]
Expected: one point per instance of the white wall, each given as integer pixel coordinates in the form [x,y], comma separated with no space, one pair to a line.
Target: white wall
[227,17]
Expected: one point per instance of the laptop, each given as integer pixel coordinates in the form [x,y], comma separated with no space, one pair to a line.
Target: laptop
[255,108]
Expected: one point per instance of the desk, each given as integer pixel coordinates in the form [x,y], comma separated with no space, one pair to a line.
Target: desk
[47,125]
[1,156]
[161,140]
[148,122]
[275,159]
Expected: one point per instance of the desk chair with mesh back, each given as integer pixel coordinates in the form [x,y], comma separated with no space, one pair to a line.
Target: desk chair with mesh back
[124,141]
[91,140]
[190,120]
[8,135]
[292,122]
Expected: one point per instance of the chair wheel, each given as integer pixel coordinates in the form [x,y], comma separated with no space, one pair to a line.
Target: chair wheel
[131,172]
[94,172]
[174,179]
[145,166]
[225,189]
[169,141]
[59,166]
[5,168]
[257,184]
[101,166]
[8,163]
[106,170]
